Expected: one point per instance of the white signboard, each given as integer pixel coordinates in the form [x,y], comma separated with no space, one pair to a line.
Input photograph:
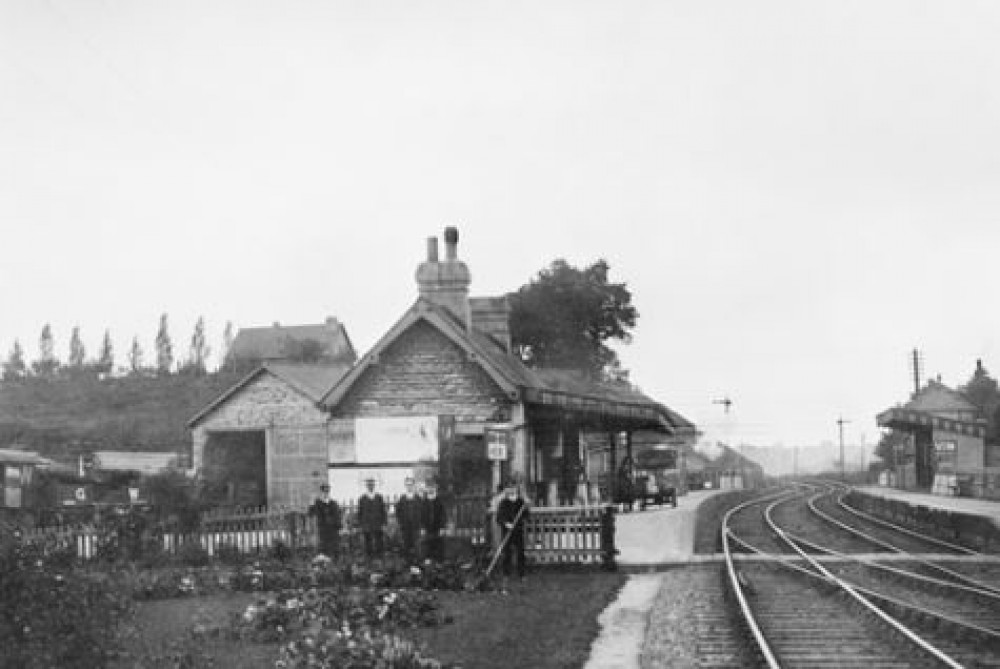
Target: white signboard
[496,444]
[407,439]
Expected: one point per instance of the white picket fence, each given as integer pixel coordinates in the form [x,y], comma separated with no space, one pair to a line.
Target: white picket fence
[553,535]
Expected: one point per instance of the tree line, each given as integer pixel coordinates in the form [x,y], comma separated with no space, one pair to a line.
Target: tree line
[563,317]
[47,364]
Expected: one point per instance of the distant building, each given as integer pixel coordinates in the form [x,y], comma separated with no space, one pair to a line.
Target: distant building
[326,342]
[945,439]
[17,469]
[147,463]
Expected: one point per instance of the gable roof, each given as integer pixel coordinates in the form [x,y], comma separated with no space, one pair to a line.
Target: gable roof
[936,396]
[313,380]
[17,456]
[273,342]
[564,388]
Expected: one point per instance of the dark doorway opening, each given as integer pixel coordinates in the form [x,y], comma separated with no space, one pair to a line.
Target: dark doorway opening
[234,468]
[924,460]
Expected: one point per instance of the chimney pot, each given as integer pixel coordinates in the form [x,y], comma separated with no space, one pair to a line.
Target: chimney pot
[432,249]
[451,243]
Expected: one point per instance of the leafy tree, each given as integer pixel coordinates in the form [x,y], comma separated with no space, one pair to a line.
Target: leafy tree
[565,317]
[164,348]
[77,352]
[106,360]
[135,357]
[891,448]
[199,350]
[46,365]
[983,391]
[14,367]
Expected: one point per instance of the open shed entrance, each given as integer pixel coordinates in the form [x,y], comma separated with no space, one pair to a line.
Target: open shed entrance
[234,468]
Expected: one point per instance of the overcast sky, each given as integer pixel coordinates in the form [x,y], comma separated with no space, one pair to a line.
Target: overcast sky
[798,194]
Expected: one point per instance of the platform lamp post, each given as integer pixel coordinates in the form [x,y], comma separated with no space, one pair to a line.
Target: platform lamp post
[840,424]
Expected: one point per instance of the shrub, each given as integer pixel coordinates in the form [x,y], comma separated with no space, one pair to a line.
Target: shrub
[193,555]
[52,619]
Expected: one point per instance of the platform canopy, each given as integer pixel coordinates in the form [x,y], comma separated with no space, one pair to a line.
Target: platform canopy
[910,420]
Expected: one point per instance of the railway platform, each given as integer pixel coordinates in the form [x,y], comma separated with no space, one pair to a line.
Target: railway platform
[965,505]
[661,536]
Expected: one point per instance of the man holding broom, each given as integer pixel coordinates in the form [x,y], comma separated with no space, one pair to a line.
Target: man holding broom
[512,512]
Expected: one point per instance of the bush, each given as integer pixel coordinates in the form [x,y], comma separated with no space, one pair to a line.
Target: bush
[193,555]
[51,619]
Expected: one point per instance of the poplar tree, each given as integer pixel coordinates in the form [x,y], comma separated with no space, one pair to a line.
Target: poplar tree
[46,364]
[164,348]
[77,353]
[135,357]
[227,341]
[14,367]
[199,348]
[106,361]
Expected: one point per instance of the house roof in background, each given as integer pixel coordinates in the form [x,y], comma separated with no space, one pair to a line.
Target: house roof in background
[273,342]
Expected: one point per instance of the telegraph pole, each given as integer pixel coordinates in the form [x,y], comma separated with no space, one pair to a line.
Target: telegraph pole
[840,424]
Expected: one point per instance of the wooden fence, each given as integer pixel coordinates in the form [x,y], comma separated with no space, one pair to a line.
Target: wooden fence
[569,534]
[553,535]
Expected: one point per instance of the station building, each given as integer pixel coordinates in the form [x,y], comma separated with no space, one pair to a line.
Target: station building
[945,444]
[440,397]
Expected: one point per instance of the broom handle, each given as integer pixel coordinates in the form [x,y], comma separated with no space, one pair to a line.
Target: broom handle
[503,542]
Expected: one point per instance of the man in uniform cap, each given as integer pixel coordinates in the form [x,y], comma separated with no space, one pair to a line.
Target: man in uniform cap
[372,518]
[512,512]
[328,521]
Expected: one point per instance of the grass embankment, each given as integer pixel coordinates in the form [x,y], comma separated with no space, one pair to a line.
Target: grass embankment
[548,621]
[708,522]
[121,413]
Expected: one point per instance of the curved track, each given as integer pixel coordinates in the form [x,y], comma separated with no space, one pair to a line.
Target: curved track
[808,604]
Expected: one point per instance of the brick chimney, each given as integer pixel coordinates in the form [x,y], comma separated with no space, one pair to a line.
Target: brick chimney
[491,316]
[446,283]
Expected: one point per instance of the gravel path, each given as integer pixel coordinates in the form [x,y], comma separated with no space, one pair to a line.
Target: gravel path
[689,624]
[623,625]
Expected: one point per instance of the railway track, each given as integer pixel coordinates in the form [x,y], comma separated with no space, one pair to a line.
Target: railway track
[828,608]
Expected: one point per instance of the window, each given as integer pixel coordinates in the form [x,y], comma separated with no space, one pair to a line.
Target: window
[12,486]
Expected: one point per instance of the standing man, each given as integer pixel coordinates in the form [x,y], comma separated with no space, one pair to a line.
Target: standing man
[328,522]
[408,514]
[512,512]
[433,520]
[371,517]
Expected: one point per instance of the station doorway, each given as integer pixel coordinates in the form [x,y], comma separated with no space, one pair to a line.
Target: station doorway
[235,468]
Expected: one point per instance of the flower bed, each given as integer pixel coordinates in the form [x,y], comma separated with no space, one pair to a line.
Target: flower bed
[277,575]
[55,618]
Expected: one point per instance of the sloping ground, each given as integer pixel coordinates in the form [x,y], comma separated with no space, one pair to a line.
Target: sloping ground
[57,416]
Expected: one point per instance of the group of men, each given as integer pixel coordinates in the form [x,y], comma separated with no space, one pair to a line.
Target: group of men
[414,514]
